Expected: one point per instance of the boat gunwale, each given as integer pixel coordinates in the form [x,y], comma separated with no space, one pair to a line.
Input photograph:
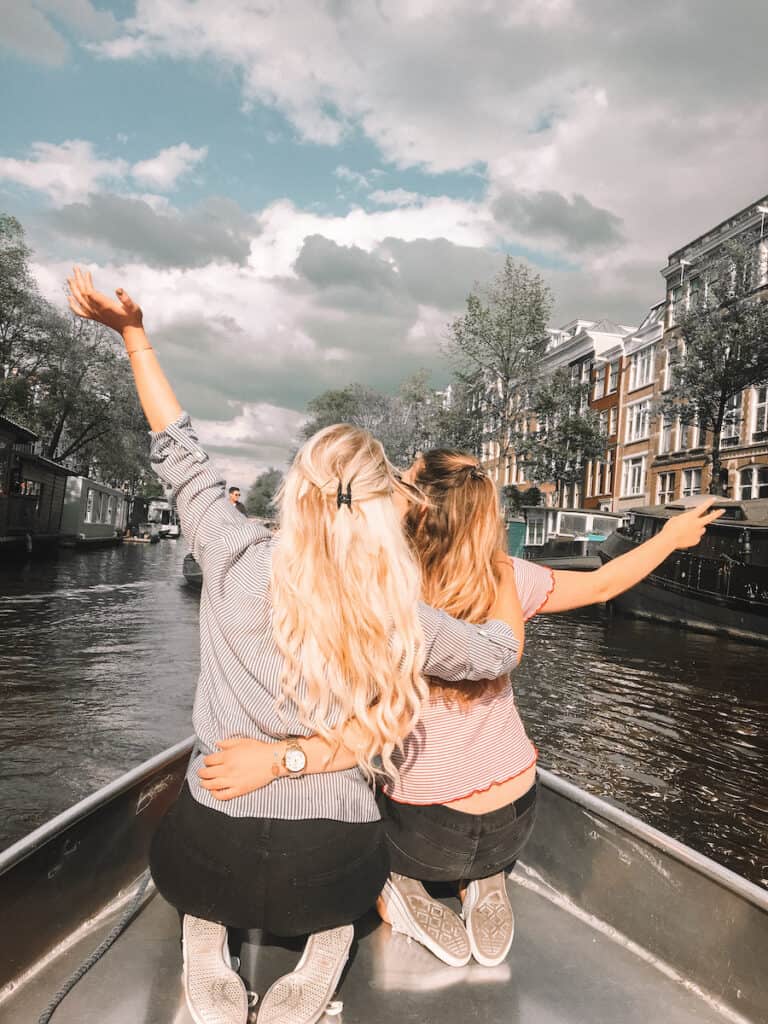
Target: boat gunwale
[699,862]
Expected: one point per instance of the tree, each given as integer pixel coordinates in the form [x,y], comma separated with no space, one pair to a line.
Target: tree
[67,379]
[724,348]
[567,434]
[261,494]
[497,347]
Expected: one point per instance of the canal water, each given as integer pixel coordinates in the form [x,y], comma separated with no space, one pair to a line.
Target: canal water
[98,660]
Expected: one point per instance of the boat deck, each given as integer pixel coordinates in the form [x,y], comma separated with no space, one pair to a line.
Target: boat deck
[561,970]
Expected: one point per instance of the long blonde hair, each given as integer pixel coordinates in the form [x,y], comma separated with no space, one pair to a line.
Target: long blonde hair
[455,537]
[345,589]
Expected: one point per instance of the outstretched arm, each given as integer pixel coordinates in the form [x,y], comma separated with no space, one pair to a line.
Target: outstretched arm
[577,589]
[176,456]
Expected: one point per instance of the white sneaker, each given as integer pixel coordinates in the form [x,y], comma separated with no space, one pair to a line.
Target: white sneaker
[489,920]
[412,911]
[303,996]
[215,993]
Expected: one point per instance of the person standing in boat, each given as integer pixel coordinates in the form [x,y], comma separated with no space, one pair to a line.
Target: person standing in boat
[462,804]
[299,632]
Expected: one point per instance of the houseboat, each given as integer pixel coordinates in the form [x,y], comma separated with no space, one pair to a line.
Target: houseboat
[32,491]
[566,538]
[720,586]
[95,515]
[615,922]
[162,513]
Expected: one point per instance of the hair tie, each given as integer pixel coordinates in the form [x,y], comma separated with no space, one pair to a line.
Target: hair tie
[477,473]
[344,499]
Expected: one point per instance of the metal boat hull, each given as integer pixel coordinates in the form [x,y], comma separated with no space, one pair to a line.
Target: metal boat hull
[615,922]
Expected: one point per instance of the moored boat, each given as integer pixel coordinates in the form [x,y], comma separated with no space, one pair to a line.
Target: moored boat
[162,513]
[566,538]
[720,586]
[191,571]
[615,922]
[94,514]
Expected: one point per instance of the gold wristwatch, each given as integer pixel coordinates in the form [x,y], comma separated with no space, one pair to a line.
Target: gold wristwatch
[294,758]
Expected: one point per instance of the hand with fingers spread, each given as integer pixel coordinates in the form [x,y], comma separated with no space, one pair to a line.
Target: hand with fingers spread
[85,301]
[686,529]
[239,766]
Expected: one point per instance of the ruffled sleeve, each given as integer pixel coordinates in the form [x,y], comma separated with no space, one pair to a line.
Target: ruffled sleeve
[534,585]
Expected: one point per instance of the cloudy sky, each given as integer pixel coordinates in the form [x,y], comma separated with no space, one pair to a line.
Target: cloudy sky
[301,193]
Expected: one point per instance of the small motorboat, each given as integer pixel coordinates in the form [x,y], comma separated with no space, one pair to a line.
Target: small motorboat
[616,923]
[192,572]
[145,533]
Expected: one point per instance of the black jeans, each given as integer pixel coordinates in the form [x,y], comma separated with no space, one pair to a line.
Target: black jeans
[435,843]
[287,877]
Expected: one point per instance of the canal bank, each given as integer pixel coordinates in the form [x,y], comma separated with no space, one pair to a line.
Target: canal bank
[98,659]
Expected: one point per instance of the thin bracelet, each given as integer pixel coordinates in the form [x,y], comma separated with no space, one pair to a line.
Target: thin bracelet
[133,351]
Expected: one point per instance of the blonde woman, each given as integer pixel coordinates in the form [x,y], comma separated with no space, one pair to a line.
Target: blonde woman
[462,804]
[297,635]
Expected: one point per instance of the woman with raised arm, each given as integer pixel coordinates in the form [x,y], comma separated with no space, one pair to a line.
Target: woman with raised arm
[298,634]
[462,804]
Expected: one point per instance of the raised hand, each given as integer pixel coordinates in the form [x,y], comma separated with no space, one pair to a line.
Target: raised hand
[686,529]
[85,301]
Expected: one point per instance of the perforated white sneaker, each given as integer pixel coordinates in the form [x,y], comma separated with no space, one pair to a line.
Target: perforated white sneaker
[412,911]
[303,996]
[489,919]
[215,993]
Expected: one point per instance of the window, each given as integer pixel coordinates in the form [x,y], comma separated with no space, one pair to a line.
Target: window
[675,297]
[730,434]
[111,509]
[588,489]
[672,359]
[761,410]
[598,389]
[690,436]
[613,378]
[609,471]
[638,415]
[613,420]
[667,435]
[534,532]
[666,488]
[641,368]
[603,421]
[695,292]
[691,482]
[753,483]
[89,506]
[633,476]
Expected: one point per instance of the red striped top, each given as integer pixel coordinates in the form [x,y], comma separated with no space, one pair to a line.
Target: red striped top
[456,750]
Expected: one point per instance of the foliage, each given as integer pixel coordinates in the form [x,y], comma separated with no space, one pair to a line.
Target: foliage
[497,347]
[259,501]
[725,347]
[568,434]
[67,379]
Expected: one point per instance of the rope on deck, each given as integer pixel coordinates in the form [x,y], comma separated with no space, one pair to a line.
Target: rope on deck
[98,953]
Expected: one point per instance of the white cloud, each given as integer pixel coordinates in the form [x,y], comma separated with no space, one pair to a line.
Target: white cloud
[65,173]
[394,197]
[162,171]
[29,32]
[344,173]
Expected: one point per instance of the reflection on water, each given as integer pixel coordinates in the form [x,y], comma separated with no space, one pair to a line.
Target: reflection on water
[98,660]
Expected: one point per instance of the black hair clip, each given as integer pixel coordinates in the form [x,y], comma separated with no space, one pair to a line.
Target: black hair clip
[344,499]
[477,473]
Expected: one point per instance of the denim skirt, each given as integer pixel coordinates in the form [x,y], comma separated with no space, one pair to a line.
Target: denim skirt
[435,843]
[288,877]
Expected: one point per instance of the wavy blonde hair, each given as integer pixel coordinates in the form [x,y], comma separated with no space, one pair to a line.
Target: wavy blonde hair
[455,538]
[345,592]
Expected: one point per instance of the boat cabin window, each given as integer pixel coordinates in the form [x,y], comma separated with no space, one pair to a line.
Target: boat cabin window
[573,524]
[534,532]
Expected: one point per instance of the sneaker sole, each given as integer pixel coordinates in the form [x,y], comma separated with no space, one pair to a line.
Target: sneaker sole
[302,996]
[442,932]
[230,993]
[483,923]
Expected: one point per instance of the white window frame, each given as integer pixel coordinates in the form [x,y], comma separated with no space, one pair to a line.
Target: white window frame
[613,372]
[89,503]
[667,423]
[613,420]
[665,487]
[534,533]
[754,482]
[629,465]
[641,368]
[691,488]
[730,431]
[760,410]
[631,434]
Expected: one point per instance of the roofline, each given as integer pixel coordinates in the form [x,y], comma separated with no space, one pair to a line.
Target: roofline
[763,200]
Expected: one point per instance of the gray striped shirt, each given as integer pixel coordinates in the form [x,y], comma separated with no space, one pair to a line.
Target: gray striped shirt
[240,665]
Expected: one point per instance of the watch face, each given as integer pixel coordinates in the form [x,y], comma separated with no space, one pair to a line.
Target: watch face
[295,760]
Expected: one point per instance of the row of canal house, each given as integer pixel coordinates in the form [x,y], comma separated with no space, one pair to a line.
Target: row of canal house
[650,460]
[44,504]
